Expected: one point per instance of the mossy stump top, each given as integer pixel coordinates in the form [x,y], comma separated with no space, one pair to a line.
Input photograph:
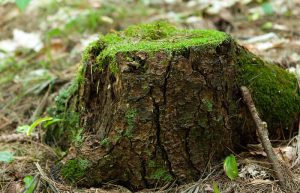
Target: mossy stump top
[157,104]
[152,38]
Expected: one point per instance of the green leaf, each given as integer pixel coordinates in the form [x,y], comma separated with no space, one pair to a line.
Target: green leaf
[36,122]
[22,4]
[28,129]
[230,167]
[54,120]
[29,184]
[6,156]
[23,129]
[216,188]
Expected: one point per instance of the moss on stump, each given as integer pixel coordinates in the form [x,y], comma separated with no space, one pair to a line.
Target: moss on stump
[157,104]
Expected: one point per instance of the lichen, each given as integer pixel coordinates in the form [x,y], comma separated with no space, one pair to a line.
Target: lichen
[274,90]
[149,38]
[75,169]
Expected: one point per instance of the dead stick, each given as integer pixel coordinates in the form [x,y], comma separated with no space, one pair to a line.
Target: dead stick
[263,136]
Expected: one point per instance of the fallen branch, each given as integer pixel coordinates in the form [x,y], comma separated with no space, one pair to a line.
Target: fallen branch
[262,131]
[8,138]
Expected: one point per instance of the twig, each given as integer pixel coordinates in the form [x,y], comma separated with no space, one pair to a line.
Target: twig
[8,138]
[55,186]
[263,136]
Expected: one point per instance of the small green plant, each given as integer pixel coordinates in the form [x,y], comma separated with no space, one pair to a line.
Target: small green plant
[6,156]
[161,174]
[77,137]
[216,188]
[29,184]
[230,167]
[28,129]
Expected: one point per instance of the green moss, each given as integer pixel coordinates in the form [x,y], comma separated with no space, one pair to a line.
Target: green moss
[77,136]
[130,116]
[117,137]
[113,67]
[105,142]
[151,164]
[161,174]
[80,75]
[64,96]
[158,171]
[150,32]
[93,49]
[274,90]
[151,38]
[75,169]
[207,105]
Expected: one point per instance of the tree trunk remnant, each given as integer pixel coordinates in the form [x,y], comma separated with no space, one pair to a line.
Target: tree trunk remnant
[157,104]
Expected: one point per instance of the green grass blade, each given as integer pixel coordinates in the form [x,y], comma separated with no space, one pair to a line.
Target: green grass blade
[36,122]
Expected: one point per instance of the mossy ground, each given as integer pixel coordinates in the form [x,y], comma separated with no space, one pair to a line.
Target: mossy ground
[75,169]
[150,38]
[274,90]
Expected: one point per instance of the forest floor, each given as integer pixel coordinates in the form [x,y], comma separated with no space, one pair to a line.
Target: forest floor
[40,51]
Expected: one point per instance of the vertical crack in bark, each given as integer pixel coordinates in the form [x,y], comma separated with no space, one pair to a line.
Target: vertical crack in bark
[156,117]
[187,150]
[108,127]
[167,75]
[143,172]
[158,134]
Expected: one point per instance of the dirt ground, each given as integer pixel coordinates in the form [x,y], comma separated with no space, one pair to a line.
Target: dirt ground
[40,52]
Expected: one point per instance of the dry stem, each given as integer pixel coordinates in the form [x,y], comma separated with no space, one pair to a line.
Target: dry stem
[263,136]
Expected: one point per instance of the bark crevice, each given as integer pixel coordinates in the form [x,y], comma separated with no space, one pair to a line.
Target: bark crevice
[161,148]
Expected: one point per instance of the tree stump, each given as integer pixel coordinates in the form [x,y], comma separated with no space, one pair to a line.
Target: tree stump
[155,104]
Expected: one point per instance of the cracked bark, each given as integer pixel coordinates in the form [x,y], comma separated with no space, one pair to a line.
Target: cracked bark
[158,135]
